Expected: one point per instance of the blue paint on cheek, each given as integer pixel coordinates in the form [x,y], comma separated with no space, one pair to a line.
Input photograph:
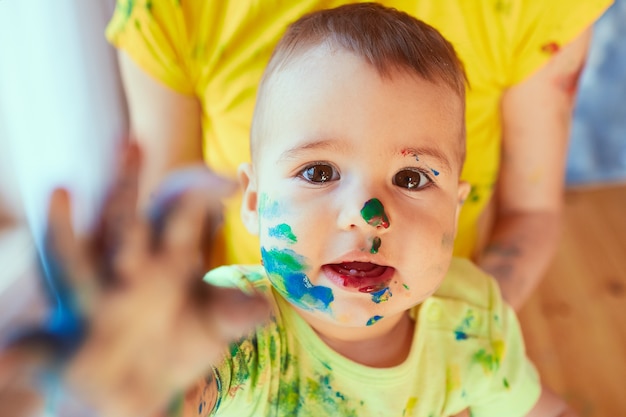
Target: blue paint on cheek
[382,295]
[268,209]
[283,232]
[285,269]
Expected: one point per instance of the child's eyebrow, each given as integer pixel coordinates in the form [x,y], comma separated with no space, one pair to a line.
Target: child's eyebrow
[435,153]
[322,144]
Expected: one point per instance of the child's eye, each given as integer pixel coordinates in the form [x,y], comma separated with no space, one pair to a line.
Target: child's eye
[411,179]
[319,173]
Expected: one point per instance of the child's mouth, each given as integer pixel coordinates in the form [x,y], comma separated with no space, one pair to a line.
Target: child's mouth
[360,276]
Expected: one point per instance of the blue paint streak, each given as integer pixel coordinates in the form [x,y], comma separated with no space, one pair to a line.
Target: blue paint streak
[269,209]
[460,335]
[381,295]
[283,232]
[286,271]
[435,172]
[373,320]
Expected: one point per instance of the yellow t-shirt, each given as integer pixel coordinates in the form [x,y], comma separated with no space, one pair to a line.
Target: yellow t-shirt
[217,51]
[467,351]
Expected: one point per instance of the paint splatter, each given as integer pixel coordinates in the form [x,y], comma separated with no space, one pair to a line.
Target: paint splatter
[453,378]
[373,212]
[285,269]
[373,320]
[375,245]
[409,408]
[505,382]
[490,361]
[406,287]
[460,333]
[410,152]
[381,295]
[268,209]
[283,232]
[550,48]
[435,172]
[294,395]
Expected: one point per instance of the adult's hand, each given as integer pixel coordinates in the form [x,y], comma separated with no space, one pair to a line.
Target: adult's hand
[138,324]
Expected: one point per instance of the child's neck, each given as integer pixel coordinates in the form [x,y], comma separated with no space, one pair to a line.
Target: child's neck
[382,346]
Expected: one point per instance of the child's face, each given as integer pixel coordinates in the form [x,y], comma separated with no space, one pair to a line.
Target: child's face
[355,188]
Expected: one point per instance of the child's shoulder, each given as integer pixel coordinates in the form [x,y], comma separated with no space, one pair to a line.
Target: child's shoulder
[247,278]
[468,305]
[467,283]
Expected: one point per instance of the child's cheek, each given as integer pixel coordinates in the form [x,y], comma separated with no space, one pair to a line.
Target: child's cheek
[286,271]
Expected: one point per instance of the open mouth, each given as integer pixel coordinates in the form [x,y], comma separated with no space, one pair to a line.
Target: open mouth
[359,276]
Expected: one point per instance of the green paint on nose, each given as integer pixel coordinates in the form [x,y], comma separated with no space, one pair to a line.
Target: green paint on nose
[375,245]
[374,214]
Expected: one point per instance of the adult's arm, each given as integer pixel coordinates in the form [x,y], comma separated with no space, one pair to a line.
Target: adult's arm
[536,116]
[165,123]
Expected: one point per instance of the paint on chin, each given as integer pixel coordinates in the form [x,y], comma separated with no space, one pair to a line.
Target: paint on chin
[382,295]
[373,320]
[285,269]
[373,212]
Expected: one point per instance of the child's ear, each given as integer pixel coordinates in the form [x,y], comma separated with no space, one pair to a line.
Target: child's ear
[249,203]
[463,192]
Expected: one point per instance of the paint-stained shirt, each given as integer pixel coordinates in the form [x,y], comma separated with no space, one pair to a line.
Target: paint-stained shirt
[467,351]
[217,50]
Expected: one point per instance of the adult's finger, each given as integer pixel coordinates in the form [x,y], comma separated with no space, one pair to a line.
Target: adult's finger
[189,198]
[64,269]
[119,212]
[20,394]
[229,313]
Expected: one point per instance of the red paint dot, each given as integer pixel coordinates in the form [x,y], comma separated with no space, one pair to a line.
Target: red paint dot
[550,48]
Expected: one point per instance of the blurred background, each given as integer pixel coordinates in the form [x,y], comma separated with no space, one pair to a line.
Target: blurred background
[62,116]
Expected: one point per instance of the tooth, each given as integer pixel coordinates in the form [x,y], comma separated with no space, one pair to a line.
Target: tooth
[353,272]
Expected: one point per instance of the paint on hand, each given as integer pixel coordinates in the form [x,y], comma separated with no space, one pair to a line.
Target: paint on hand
[375,244]
[283,232]
[373,320]
[373,212]
[285,269]
[381,295]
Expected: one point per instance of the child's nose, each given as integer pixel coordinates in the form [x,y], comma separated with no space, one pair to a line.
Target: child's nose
[369,214]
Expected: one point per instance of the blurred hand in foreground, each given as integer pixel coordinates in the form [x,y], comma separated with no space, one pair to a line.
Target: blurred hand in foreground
[134,324]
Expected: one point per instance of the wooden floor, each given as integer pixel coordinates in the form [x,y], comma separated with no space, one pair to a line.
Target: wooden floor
[575,323]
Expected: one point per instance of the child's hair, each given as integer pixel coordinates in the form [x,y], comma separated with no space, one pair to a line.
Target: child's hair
[386,38]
